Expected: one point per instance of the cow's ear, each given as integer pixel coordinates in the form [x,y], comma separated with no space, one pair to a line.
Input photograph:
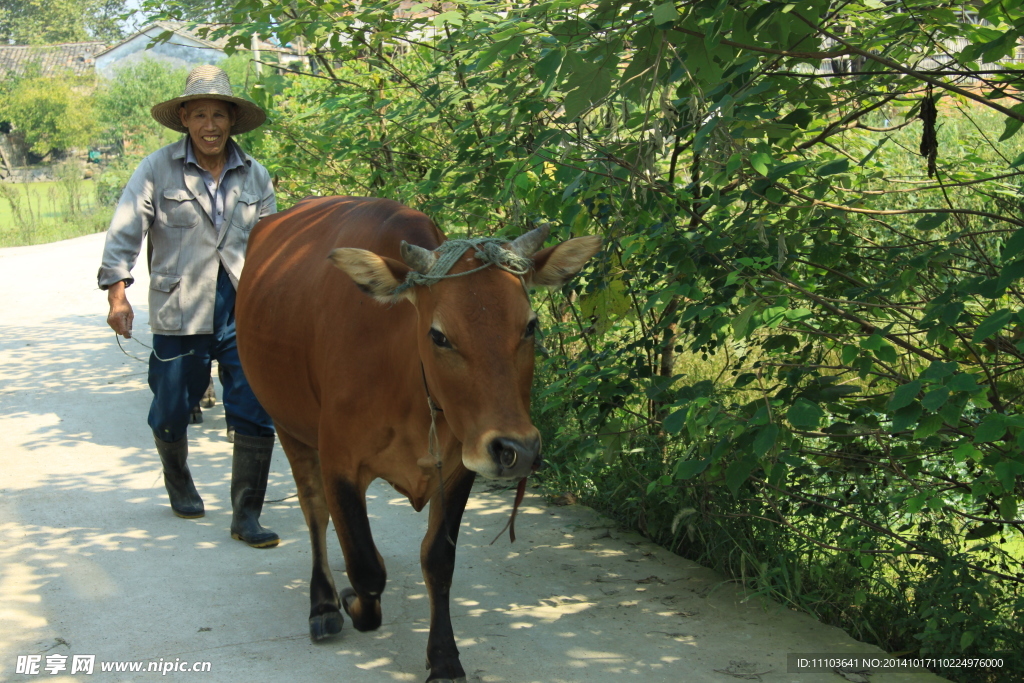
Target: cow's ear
[375,275]
[554,266]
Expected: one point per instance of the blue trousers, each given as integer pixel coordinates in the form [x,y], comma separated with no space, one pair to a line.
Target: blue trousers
[179,384]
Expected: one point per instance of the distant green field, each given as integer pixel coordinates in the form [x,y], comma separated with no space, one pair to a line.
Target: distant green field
[36,213]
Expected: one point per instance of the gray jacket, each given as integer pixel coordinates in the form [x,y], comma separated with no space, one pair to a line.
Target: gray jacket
[170,203]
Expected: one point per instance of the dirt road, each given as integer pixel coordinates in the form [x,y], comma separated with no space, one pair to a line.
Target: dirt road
[92,562]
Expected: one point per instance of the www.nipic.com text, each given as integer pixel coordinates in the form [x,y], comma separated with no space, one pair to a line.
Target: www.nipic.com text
[31,665]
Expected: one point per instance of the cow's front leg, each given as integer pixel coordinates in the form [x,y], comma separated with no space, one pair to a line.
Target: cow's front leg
[363,564]
[325,618]
[437,557]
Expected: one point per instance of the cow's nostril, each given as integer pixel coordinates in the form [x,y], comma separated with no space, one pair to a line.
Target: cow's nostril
[508,458]
[504,451]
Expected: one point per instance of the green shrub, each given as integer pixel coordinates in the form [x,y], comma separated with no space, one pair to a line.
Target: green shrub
[50,113]
[799,356]
[123,105]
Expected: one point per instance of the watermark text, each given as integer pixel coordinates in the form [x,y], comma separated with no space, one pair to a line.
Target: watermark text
[39,665]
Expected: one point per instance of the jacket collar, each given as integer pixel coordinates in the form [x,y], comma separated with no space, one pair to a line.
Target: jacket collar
[181,150]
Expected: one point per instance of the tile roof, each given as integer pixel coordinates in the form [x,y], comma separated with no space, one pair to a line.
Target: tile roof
[186,30]
[174,27]
[79,58]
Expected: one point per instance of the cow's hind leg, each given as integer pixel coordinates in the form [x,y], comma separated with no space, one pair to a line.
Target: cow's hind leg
[363,564]
[437,557]
[325,617]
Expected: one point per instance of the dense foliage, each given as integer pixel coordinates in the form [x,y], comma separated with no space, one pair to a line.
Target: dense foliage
[123,105]
[43,22]
[50,112]
[799,357]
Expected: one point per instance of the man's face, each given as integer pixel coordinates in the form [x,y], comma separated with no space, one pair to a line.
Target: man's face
[209,125]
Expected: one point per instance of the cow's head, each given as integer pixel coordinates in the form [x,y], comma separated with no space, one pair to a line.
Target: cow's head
[475,336]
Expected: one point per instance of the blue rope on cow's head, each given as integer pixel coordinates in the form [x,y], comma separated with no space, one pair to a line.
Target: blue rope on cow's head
[489,250]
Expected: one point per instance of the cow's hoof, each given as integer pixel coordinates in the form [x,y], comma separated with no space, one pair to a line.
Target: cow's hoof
[325,625]
[364,619]
[460,679]
[347,597]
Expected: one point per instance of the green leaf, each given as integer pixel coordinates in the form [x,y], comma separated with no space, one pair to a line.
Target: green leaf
[800,118]
[874,150]
[916,502]
[992,324]
[765,439]
[850,353]
[785,169]
[674,422]
[759,162]
[950,314]
[966,638]
[1008,507]
[734,162]
[1013,124]
[904,395]
[886,354]
[741,323]
[453,17]
[984,531]
[833,167]
[874,342]
[965,450]
[1010,273]
[938,370]
[548,66]
[963,382]
[593,85]
[992,428]
[738,472]
[929,425]
[744,379]
[1007,472]
[804,415]
[1014,245]
[688,469]
[907,417]
[934,399]
[665,13]
[931,222]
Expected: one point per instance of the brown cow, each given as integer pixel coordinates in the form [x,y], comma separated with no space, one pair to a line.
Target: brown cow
[347,381]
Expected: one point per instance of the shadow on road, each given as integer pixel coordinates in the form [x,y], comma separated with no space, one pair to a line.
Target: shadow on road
[93,562]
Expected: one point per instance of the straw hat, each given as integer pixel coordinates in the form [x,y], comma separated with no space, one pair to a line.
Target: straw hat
[209,82]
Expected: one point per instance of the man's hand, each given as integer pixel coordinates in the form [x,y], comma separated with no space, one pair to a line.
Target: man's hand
[121,314]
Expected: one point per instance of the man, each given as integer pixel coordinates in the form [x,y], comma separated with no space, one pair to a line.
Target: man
[197,198]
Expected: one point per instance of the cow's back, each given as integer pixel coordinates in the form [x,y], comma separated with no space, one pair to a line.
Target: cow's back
[307,337]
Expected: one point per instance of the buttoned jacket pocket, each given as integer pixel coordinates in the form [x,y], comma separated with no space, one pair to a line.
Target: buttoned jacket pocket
[247,211]
[177,209]
[165,302]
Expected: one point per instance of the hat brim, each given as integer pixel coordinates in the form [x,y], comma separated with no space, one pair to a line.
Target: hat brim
[248,116]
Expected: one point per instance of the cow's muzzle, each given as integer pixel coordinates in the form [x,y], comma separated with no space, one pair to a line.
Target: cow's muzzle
[514,458]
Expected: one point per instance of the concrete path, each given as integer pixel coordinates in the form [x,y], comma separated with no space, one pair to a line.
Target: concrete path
[92,562]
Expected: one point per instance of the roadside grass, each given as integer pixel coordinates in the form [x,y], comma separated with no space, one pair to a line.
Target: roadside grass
[42,212]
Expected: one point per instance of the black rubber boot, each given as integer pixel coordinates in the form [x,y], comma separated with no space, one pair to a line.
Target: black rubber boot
[249,473]
[185,500]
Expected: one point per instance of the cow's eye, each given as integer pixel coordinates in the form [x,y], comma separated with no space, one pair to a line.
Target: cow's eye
[439,339]
[531,328]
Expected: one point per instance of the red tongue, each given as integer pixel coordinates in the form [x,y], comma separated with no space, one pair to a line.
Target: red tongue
[511,523]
